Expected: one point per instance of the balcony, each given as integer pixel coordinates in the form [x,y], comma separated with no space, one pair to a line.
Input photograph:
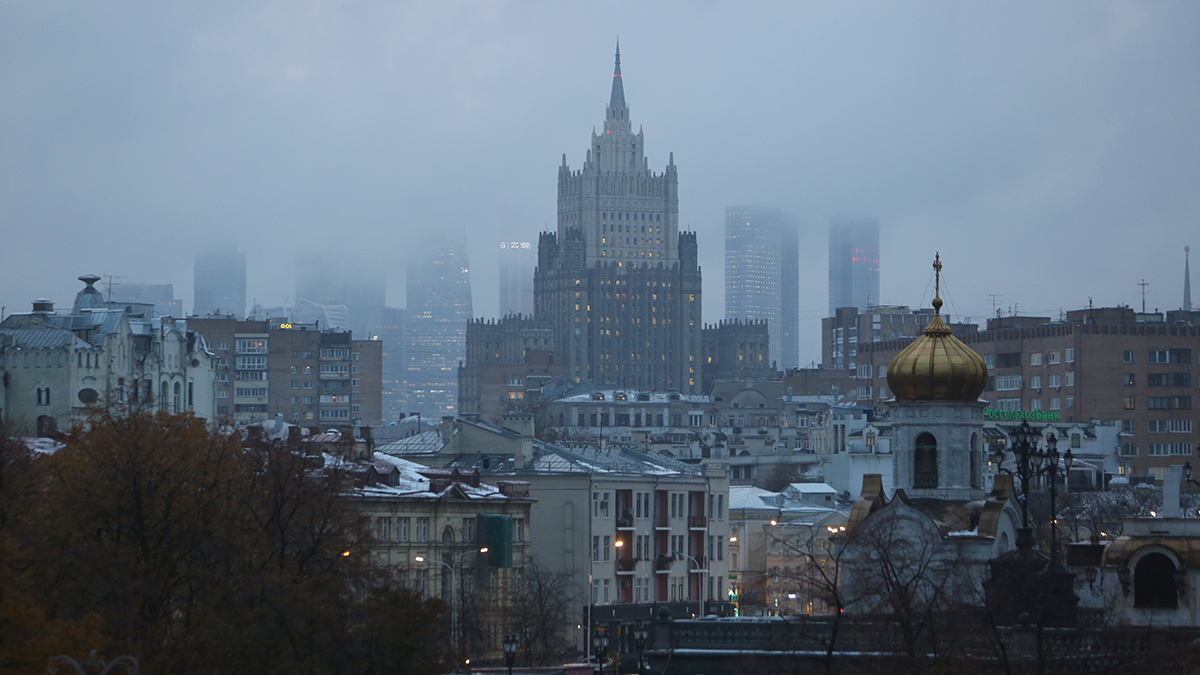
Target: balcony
[626,565]
[701,560]
[663,563]
[625,520]
[697,522]
[661,522]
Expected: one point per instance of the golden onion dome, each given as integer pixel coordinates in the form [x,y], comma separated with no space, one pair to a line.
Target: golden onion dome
[937,366]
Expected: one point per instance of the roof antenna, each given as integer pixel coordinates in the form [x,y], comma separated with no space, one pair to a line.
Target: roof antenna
[1143,284]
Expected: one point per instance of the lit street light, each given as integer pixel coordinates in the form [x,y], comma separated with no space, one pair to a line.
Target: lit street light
[510,651]
[453,594]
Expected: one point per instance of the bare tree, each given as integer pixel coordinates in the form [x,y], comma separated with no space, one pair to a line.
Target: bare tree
[540,614]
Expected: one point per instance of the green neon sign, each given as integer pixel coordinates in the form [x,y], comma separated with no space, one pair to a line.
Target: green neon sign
[1035,415]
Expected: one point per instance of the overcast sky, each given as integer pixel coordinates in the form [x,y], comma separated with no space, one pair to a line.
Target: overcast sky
[1050,151]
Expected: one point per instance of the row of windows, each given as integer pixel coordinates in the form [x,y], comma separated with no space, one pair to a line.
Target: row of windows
[335,384]
[249,346]
[1168,449]
[1180,379]
[654,217]
[1159,402]
[1176,426]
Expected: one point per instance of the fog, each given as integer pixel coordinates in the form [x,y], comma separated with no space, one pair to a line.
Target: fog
[1047,150]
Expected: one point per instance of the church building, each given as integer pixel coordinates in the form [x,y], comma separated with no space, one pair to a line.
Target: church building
[939,529]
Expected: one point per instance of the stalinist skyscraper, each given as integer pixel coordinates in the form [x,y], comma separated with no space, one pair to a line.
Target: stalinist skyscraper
[618,282]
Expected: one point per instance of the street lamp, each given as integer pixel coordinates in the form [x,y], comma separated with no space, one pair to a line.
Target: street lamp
[510,651]
[700,569]
[1032,462]
[453,594]
[453,605]
[599,647]
[641,633]
[93,664]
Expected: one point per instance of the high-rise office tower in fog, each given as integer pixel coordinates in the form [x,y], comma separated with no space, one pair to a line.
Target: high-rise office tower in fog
[220,282]
[518,260]
[342,282]
[439,306]
[853,262]
[762,275]
[618,282]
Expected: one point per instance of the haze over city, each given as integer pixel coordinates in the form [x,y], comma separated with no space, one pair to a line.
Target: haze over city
[1048,152]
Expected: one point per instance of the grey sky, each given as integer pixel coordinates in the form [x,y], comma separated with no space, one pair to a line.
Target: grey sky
[1050,151]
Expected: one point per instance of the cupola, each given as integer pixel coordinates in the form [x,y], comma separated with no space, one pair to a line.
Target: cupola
[937,366]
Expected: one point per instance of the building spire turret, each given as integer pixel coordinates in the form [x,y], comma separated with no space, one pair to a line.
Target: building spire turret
[617,100]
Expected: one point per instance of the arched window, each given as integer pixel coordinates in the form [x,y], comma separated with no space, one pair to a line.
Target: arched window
[1154,582]
[162,396]
[925,462]
[1076,440]
[175,409]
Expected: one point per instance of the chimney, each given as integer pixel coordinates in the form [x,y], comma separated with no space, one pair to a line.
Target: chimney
[366,434]
[522,423]
[526,453]
[447,429]
[293,437]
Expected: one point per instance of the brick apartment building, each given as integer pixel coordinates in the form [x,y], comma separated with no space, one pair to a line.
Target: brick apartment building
[308,375]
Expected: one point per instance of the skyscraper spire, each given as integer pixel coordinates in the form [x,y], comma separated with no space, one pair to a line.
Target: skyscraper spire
[1187,280]
[617,100]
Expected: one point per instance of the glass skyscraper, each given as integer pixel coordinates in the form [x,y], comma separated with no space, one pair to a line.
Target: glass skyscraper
[220,282]
[439,307]
[853,262]
[762,275]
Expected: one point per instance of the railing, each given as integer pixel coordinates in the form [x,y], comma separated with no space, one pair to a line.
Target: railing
[626,564]
[697,521]
[663,562]
[925,480]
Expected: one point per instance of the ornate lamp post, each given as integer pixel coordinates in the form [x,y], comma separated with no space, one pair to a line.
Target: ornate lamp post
[510,651]
[1031,463]
[641,633]
[92,664]
[600,648]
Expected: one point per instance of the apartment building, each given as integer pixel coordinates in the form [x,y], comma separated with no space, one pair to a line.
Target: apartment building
[307,375]
[632,529]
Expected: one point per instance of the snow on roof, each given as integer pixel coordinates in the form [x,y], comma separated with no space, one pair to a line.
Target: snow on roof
[411,483]
[744,497]
[40,444]
[424,443]
[632,397]
[813,488]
